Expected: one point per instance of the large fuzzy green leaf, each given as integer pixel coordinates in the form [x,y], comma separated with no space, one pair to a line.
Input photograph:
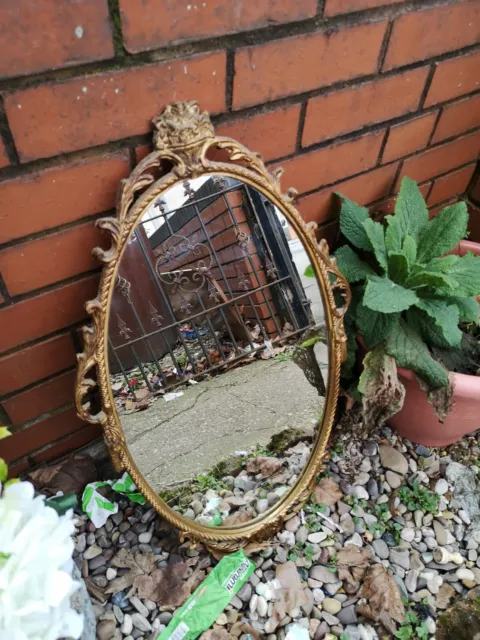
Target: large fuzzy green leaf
[393,235]
[439,283]
[467,271]
[410,352]
[430,332]
[443,264]
[443,232]
[410,209]
[381,294]
[468,307]
[352,267]
[445,316]
[374,326]
[352,217]
[398,267]
[409,248]
[376,235]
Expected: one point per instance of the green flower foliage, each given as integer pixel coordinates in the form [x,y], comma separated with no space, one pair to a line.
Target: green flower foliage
[409,296]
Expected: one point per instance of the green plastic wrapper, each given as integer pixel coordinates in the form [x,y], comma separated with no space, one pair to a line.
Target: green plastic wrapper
[204,606]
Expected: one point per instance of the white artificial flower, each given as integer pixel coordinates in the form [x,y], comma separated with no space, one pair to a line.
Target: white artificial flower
[36,583]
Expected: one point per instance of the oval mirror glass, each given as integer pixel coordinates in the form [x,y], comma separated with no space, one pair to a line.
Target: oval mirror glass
[218,351]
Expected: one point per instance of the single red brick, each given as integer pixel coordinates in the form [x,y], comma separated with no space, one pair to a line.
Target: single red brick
[363,189]
[293,65]
[52,197]
[453,184]
[68,445]
[408,137]
[51,34]
[24,441]
[336,7]
[457,118]
[25,367]
[422,34]
[441,159]
[335,113]
[4,161]
[84,112]
[43,398]
[155,23]
[454,78]
[56,257]
[273,134]
[324,166]
[46,313]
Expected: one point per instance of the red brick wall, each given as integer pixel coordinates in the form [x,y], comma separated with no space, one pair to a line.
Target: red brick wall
[347,95]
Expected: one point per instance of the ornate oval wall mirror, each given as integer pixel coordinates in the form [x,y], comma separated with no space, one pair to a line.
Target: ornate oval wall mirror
[217,337]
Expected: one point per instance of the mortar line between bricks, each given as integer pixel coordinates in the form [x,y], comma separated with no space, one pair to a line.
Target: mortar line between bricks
[229,79]
[4,290]
[135,140]
[37,383]
[384,47]
[429,191]
[382,147]
[6,136]
[428,83]
[45,233]
[435,125]
[48,336]
[391,191]
[301,126]
[252,37]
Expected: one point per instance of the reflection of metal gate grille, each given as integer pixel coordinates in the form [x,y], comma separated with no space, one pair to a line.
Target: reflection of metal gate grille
[203,285]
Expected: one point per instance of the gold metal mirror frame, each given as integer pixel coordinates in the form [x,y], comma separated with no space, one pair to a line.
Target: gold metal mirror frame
[183,137]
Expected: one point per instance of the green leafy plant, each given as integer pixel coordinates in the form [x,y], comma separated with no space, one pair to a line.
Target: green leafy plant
[413,628]
[413,303]
[419,497]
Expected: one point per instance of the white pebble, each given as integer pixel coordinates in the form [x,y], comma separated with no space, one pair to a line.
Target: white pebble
[408,534]
[441,487]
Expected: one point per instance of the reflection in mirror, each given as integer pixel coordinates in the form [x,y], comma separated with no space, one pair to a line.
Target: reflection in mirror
[218,350]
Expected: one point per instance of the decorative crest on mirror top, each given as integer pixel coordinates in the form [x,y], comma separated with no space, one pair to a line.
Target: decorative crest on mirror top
[185,143]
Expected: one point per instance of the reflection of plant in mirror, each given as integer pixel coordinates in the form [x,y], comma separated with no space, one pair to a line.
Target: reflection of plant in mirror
[412,302]
[419,497]
[309,272]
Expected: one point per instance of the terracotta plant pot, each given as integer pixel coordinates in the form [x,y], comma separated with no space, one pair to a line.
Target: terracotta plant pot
[418,422]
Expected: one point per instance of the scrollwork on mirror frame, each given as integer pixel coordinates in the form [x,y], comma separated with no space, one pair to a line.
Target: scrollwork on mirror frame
[183,138]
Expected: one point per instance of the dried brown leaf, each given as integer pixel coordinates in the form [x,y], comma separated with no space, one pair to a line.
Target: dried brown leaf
[352,564]
[216,634]
[69,476]
[169,586]
[327,492]
[291,595]
[264,465]
[138,565]
[382,392]
[383,599]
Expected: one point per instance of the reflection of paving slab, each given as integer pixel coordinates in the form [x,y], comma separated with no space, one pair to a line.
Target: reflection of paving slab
[173,441]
